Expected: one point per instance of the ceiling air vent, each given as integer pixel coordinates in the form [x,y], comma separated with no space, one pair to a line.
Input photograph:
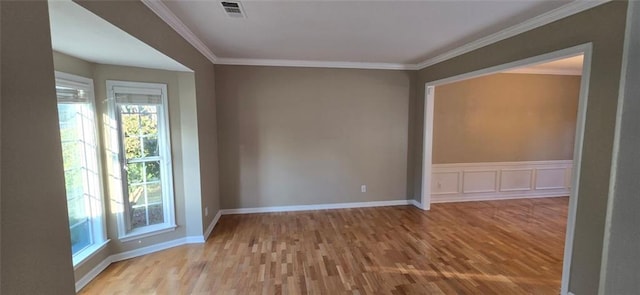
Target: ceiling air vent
[233,8]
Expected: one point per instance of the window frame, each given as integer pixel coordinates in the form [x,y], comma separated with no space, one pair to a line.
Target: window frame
[125,232]
[98,220]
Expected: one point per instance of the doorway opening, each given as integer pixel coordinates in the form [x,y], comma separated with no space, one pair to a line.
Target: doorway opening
[521,181]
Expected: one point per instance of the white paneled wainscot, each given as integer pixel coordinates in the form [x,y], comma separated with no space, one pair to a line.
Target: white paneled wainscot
[461,182]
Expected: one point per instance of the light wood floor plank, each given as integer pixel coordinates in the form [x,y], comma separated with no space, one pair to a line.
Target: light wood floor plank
[496,247]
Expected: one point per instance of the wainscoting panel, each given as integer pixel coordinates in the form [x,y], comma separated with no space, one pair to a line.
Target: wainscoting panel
[479,181]
[516,179]
[446,183]
[461,182]
[551,178]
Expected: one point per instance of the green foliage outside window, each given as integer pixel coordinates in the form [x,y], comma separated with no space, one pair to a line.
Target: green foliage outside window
[140,132]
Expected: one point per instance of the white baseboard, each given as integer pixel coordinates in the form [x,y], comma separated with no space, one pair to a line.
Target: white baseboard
[213,223]
[149,249]
[569,293]
[93,273]
[315,207]
[194,240]
[416,204]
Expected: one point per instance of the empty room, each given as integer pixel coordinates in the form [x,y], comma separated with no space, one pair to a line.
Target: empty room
[319,147]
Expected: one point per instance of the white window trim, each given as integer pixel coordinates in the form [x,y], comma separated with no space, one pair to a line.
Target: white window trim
[166,172]
[98,222]
[86,254]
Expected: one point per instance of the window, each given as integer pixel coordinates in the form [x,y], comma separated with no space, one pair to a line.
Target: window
[142,126]
[80,153]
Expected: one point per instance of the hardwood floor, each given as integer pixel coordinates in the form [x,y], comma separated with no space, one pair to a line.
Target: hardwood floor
[497,247]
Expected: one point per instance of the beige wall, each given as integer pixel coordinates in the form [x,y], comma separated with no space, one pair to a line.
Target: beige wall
[295,136]
[71,65]
[604,27]
[36,256]
[505,117]
[136,19]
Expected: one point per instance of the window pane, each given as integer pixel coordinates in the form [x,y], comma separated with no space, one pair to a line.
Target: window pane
[153,171]
[136,195]
[149,109]
[154,193]
[156,214]
[138,217]
[132,147]
[80,235]
[135,173]
[130,124]
[149,124]
[151,146]
[129,108]
[77,210]
[73,183]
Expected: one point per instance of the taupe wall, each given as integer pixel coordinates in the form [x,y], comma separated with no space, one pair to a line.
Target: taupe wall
[136,19]
[504,118]
[294,136]
[604,27]
[36,256]
[621,270]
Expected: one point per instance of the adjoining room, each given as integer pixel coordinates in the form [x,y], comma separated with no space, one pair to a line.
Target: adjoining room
[503,142]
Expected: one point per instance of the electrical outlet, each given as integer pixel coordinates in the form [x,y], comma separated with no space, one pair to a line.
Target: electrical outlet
[206,211]
[363,188]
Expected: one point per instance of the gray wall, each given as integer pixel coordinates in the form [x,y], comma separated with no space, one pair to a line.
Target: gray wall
[621,272]
[136,19]
[295,136]
[505,117]
[36,256]
[603,26]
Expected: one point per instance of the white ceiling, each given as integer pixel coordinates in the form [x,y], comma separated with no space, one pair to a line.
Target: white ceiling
[394,32]
[566,66]
[77,32]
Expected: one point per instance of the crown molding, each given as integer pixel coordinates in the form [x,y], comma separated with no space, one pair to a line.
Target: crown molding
[566,10]
[174,22]
[565,72]
[313,64]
